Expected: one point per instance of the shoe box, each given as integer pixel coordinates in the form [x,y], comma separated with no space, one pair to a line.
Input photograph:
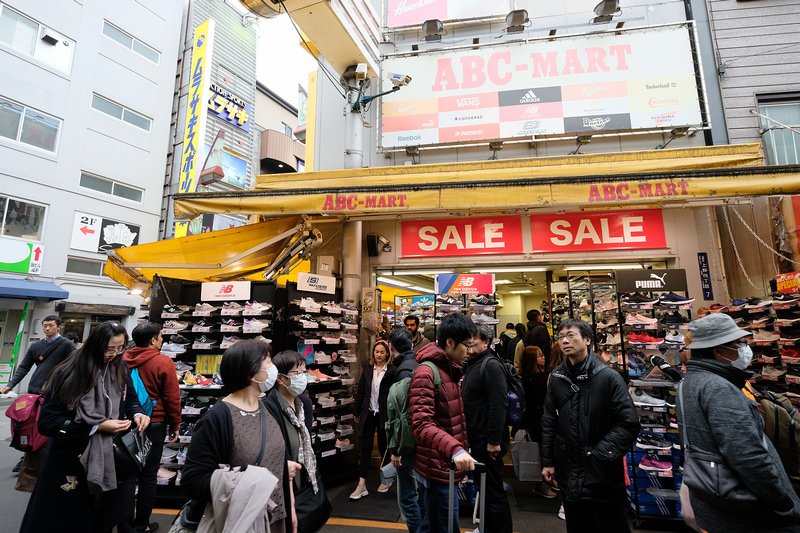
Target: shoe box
[650,504]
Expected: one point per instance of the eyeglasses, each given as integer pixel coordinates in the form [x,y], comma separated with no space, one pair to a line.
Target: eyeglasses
[571,335]
[469,346]
[114,351]
[297,373]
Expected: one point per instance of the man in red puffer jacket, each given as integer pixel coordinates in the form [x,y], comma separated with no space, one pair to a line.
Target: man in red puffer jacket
[437,419]
[161,381]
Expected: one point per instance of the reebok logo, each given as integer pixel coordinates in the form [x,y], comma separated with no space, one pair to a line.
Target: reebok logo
[468,102]
[529,98]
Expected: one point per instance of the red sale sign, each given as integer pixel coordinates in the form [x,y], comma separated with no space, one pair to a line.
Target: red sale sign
[456,237]
[603,230]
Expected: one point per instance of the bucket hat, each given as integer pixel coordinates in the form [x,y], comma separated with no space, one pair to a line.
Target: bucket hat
[713,330]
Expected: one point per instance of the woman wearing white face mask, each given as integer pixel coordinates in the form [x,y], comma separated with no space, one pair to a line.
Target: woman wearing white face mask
[230,434]
[715,417]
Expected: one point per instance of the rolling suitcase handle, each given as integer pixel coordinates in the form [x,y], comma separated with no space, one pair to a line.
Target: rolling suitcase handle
[479,467]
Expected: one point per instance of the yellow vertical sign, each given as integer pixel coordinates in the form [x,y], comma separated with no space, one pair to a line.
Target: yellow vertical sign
[197,106]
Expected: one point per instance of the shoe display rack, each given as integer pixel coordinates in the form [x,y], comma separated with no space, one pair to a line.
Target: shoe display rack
[446,304]
[481,310]
[325,332]
[593,299]
[423,307]
[195,334]
[654,464]
[775,324]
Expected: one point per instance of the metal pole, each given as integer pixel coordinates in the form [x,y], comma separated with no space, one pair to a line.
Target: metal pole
[353,158]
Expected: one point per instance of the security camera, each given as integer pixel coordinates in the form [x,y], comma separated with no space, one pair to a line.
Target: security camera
[399,80]
[361,71]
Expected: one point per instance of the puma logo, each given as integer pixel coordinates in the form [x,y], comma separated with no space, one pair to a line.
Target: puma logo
[660,278]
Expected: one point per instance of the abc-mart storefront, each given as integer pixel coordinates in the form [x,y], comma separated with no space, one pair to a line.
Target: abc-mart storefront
[556,214]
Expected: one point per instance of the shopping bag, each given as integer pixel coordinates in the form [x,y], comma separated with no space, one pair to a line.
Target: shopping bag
[526,458]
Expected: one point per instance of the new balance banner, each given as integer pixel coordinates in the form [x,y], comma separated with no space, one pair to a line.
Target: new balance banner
[464,284]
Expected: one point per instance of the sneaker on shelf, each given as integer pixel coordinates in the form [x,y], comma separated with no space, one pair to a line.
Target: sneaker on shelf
[203,323]
[716,307]
[217,379]
[205,308]
[317,374]
[648,441]
[173,310]
[614,339]
[166,473]
[178,339]
[322,358]
[480,318]
[341,443]
[309,304]
[174,348]
[643,338]
[202,339]
[231,322]
[701,312]
[584,305]
[307,321]
[202,380]
[765,335]
[772,371]
[189,379]
[786,298]
[639,298]
[174,324]
[738,303]
[675,337]
[341,428]
[348,339]
[232,339]
[666,368]
[483,300]
[674,318]
[347,379]
[232,306]
[790,352]
[636,318]
[790,336]
[762,322]
[671,298]
[257,307]
[261,338]
[753,303]
[340,370]
[254,324]
[180,366]
[330,323]
[345,305]
[651,463]
[446,299]
[642,399]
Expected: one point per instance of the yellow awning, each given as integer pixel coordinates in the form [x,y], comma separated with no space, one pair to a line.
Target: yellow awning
[624,179]
[241,252]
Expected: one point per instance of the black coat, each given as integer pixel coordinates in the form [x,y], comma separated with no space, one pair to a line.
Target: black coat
[538,335]
[535,386]
[54,506]
[486,402]
[586,434]
[361,404]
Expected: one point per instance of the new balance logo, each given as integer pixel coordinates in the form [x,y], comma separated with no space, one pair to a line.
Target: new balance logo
[529,98]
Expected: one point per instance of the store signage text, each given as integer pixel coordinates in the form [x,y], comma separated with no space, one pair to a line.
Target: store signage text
[20,256]
[788,283]
[651,280]
[229,107]
[624,191]
[474,236]
[582,232]
[93,233]
[353,202]
[227,290]
[705,276]
[316,283]
[464,284]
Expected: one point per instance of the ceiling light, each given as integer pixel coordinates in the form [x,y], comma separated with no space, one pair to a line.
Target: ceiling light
[527,291]
[393,282]
[420,289]
[502,281]
[511,269]
[422,272]
[623,266]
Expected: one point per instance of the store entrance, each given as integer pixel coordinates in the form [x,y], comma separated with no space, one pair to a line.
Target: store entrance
[83,324]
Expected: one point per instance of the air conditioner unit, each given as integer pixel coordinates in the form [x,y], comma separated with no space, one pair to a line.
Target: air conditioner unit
[49,36]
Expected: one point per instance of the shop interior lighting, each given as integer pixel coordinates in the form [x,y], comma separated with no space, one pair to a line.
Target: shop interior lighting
[502,282]
[433,30]
[390,281]
[580,140]
[623,266]
[491,270]
[420,289]
[516,21]
[420,272]
[674,134]
[138,288]
[605,11]
[526,291]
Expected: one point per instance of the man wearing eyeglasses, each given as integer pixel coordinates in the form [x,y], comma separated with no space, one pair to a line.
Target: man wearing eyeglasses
[588,425]
[46,354]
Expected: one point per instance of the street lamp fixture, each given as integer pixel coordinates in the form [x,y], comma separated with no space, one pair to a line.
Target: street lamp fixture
[433,30]
[605,11]
[674,134]
[580,141]
[516,21]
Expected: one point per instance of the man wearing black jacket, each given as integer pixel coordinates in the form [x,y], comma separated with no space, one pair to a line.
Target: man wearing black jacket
[537,335]
[589,422]
[485,396]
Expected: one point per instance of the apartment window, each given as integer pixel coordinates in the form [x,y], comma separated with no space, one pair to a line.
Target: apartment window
[782,145]
[110,187]
[286,129]
[36,40]
[25,125]
[21,219]
[121,113]
[78,265]
[130,42]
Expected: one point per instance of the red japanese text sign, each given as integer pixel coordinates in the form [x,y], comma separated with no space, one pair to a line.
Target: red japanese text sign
[788,283]
[603,230]
[467,236]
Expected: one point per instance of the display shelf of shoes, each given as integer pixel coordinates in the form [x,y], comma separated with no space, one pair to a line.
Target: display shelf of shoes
[482,309]
[446,304]
[608,340]
[327,337]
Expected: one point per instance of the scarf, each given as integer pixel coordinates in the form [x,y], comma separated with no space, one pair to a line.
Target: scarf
[305,454]
[101,403]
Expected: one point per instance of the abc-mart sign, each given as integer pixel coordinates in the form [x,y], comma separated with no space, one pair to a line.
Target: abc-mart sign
[612,82]
[227,290]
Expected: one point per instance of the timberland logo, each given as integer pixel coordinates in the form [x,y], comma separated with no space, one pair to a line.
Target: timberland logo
[655,282]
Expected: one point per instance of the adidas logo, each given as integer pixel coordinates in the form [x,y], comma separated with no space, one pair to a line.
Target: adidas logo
[529,98]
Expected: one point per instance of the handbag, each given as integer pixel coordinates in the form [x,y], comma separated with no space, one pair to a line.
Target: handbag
[707,474]
[387,472]
[526,458]
[312,509]
[131,449]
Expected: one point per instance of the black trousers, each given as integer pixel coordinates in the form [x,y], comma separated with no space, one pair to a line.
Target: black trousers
[588,517]
[371,425]
[156,432]
[498,510]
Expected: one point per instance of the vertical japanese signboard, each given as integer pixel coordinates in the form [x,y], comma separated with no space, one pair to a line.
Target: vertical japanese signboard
[705,276]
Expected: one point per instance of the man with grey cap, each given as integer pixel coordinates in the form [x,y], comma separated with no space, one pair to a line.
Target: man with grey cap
[719,419]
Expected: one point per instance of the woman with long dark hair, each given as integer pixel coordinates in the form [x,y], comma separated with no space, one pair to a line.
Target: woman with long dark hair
[369,410]
[87,398]
[534,380]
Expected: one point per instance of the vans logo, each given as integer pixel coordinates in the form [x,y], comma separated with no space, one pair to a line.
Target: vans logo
[596,123]
[529,98]
[655,282]
[468,102]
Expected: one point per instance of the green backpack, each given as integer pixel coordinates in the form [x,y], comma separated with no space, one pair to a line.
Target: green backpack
[782,426]
[399,437]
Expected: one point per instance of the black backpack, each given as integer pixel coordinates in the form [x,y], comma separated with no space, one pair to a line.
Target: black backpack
[516,391]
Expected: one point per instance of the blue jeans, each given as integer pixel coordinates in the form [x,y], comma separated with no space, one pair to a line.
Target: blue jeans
[435,500]
[407,498]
